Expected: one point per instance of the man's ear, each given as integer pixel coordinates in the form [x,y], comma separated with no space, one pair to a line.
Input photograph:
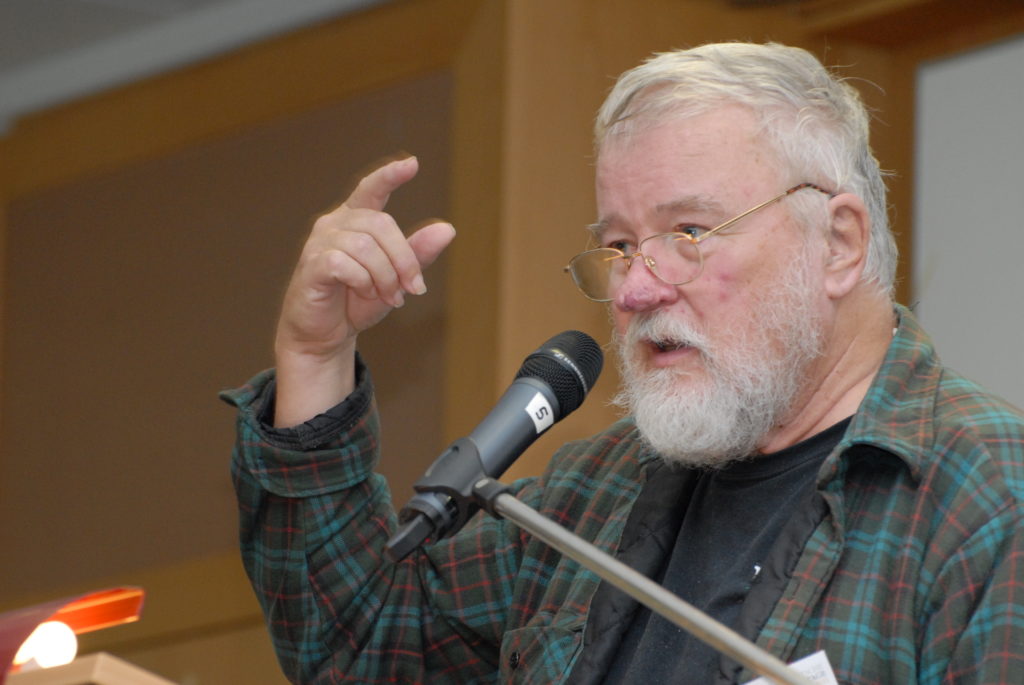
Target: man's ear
[848,236]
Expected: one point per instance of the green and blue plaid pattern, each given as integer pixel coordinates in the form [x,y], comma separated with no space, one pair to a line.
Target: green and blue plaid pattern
[916,574]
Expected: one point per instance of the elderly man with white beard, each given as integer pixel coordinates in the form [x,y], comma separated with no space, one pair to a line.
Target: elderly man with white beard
[795,461]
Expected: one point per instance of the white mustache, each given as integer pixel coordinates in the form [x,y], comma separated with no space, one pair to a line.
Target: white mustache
[661,326]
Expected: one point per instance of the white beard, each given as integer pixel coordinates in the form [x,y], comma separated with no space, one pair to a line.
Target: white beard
[750,379]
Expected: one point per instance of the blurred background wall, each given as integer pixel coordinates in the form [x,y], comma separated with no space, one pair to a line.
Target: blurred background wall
[969,156]
[149,218]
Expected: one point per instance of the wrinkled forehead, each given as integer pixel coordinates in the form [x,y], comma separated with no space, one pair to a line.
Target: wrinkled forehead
[727,143]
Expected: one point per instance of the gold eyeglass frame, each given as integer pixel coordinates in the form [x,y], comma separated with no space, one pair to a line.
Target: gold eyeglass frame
[615,253]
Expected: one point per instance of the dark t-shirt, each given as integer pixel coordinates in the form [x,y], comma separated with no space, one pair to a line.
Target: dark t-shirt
[729,526]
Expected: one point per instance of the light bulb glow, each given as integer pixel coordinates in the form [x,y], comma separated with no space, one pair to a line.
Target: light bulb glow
[51,644]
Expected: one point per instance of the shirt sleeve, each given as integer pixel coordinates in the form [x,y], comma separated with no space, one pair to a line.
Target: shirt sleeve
[314,519]
[975,630]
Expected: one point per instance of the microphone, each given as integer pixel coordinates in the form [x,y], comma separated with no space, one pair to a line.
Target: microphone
[552,383]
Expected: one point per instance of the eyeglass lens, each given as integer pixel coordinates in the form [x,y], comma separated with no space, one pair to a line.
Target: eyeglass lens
[673,258]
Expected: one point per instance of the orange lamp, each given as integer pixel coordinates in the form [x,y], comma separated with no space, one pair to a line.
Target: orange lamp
[82,614]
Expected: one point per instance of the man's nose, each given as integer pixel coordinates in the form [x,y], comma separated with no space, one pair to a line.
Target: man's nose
[641,290]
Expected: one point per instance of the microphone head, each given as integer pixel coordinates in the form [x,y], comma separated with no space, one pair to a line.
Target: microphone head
[569,363]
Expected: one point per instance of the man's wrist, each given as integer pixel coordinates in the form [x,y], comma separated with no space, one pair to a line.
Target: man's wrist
[309,385]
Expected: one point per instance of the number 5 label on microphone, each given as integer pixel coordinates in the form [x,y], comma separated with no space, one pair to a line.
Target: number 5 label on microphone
[540,413]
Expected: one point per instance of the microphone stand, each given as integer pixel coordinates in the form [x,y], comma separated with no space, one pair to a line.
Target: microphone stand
[493,496]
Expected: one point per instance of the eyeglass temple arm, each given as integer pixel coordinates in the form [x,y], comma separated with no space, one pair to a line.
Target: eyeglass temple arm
[761,206]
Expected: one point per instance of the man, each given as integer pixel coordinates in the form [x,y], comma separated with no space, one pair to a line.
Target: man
[795,460]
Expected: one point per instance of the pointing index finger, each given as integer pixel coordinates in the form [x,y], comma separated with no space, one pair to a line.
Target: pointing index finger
[375,188]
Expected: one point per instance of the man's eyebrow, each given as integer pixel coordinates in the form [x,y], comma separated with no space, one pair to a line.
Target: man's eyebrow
[598,228]
[688,203]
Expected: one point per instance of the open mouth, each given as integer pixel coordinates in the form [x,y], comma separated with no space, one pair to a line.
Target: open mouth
[668,345]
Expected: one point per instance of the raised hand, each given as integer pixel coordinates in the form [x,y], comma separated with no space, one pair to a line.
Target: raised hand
[356,266]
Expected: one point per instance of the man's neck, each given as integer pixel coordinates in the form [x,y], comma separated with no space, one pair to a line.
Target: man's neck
[854,350]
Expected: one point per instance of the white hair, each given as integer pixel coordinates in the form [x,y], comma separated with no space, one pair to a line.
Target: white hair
[815,122]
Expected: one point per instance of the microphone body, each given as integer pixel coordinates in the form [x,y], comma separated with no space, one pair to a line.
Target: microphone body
[524,412]
[552,383]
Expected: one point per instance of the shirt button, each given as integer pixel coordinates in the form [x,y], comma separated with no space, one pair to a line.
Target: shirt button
[513,660]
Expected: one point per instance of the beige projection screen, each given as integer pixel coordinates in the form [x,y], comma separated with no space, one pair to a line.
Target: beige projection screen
[969,213]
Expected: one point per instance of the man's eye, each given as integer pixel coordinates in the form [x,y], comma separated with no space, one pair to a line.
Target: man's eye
[620,245]
[691,230]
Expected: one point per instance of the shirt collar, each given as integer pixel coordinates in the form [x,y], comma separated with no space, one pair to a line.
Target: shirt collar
[896,413]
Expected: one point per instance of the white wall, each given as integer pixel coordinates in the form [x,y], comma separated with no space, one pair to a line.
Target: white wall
[969,213]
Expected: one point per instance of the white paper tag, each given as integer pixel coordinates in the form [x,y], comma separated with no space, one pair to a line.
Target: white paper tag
[540,413]
[816,667]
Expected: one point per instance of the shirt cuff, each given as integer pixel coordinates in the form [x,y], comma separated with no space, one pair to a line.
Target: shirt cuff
[322,428]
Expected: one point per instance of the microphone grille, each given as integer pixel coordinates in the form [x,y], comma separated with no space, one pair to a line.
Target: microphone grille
[569,363]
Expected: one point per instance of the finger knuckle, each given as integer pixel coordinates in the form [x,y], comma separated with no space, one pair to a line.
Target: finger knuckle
[379,222]
[361,244]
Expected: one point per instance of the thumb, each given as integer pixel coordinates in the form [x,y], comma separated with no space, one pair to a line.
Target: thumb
[430,241]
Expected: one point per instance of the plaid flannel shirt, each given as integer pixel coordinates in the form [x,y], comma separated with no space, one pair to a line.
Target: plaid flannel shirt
[915,573]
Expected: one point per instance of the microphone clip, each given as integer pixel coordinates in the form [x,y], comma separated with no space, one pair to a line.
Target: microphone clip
[454,477]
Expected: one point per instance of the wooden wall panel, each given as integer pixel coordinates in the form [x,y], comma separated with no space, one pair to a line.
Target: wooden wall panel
[266,81]
[135,296]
